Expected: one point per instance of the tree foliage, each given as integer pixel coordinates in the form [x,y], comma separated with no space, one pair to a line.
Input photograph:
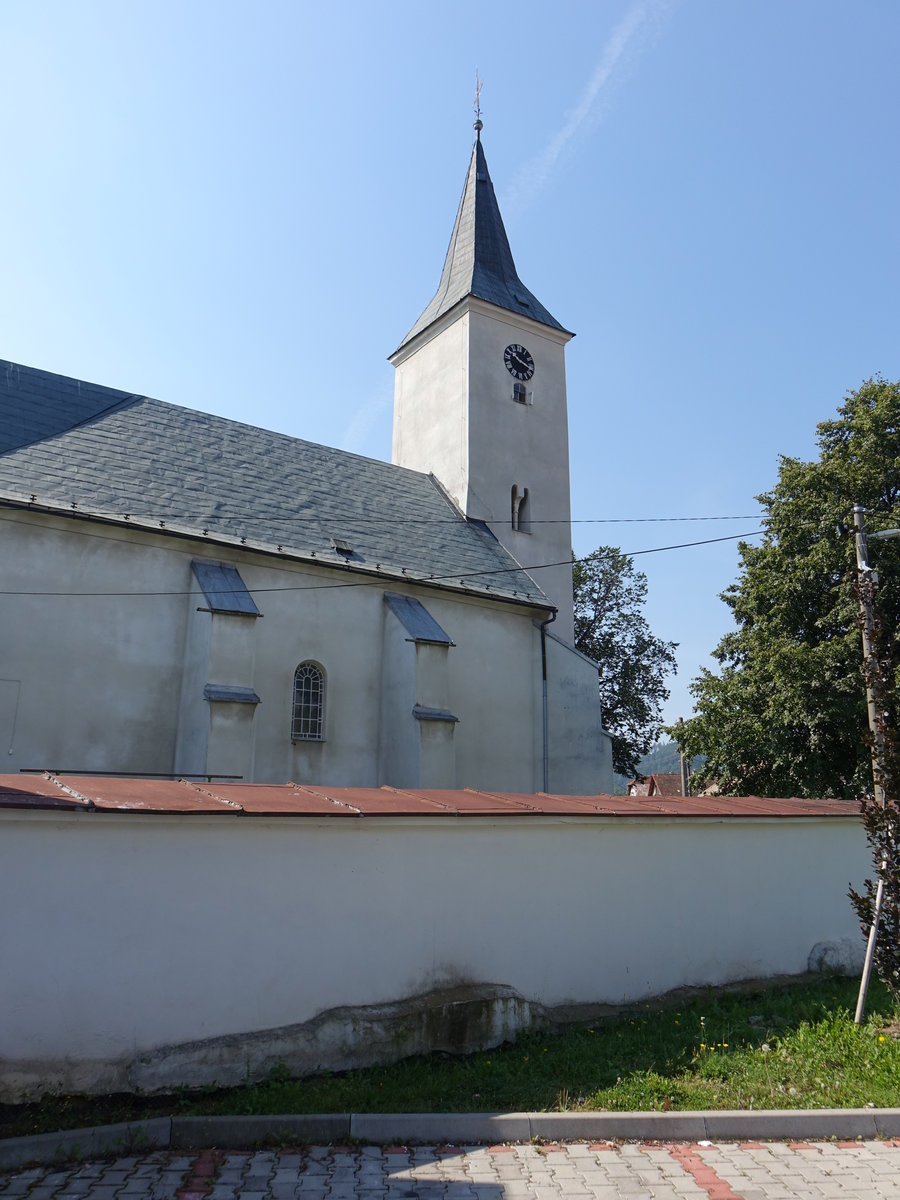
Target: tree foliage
[786,715]
[610,628]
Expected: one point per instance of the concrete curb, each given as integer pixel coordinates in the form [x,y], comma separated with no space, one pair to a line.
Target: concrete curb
[638,1126]
[180,1133]
[458,1128]
[97,1142]
[236,1132]
[786,1124]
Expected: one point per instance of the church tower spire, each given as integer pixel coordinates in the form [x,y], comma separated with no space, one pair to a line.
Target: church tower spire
[480,395]
[479,261]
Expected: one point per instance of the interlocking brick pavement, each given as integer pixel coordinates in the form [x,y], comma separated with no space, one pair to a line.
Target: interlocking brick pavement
[574,1171]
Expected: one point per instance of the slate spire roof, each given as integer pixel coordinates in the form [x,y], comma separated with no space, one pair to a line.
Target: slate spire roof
[479,261]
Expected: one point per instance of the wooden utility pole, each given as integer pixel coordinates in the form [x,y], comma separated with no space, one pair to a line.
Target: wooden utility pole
[685,765]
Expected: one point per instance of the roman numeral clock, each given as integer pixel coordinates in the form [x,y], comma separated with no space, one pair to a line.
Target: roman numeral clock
[518,362]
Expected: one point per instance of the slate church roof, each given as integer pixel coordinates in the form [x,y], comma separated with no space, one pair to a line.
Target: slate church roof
[71,446]
[479,261]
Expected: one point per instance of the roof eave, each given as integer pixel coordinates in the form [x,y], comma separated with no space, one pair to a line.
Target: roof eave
[412,343]
[246,545]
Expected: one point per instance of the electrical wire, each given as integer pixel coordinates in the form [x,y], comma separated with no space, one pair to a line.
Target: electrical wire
[363,518]
[462,575]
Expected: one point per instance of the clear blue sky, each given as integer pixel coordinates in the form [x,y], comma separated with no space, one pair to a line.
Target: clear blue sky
[242,208]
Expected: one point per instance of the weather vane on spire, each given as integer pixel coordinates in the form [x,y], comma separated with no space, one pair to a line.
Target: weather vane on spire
[479,124]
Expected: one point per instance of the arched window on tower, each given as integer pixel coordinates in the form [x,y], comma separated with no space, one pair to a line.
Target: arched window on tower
[521,513]
[308,714]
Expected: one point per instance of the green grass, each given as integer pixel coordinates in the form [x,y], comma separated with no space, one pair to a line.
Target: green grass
[791,1047]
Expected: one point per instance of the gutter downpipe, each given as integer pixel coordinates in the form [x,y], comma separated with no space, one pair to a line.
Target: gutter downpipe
[544,717]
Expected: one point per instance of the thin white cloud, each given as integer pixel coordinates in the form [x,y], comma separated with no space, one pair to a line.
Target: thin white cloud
[357,433]
[619,52]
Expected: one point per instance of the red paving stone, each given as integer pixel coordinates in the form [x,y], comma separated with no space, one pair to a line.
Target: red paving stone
[199,1176]
[688,1156]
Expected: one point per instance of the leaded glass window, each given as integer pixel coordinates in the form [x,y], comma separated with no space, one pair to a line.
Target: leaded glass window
[308,719]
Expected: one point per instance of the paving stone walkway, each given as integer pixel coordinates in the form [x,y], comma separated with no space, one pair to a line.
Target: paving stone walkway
[596,1171]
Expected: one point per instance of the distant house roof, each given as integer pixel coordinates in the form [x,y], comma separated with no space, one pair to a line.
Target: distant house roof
[77,447]
[479,261]
[666,784]
[98,794]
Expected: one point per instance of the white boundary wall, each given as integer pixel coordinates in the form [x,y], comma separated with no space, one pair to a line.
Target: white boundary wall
[124,933]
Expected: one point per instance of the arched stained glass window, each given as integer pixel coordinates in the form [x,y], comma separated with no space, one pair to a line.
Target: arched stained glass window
[308,717]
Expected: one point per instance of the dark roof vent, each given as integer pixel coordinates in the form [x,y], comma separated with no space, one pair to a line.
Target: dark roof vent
[341,546]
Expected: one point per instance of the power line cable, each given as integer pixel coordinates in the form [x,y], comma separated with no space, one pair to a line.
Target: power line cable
[462,575]
[210,518]
[365,518]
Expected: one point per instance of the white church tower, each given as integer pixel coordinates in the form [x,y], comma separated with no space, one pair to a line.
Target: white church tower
[480,396]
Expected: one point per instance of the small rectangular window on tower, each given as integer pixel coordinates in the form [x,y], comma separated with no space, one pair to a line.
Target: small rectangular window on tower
[521,395]
[521,511]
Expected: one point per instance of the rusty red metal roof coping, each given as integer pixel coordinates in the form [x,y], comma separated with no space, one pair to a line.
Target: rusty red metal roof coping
[125,794]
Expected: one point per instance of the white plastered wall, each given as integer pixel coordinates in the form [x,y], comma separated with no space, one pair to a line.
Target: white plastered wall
[162,930]
[114,681]
[455,416]
[96,657]
[580,750]
[526,445]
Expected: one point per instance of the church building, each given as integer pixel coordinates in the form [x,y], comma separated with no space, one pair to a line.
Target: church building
[184,595]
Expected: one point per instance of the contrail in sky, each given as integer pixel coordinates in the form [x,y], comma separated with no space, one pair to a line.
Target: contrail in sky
[613,58]
[364,419]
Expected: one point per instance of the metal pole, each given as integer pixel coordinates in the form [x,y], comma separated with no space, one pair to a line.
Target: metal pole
[867,582]
[545,722]
[684,765]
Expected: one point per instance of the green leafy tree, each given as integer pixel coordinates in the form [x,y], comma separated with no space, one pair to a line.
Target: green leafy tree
[785,715]
[610,628]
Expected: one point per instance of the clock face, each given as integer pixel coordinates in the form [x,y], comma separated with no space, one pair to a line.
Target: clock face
[518,362]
